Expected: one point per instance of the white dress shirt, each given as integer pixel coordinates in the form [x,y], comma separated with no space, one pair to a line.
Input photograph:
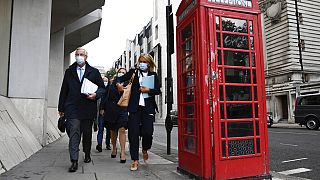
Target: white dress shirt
[83,69]
[141,100]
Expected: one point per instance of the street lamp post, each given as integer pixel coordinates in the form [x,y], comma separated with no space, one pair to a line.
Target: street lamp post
[169,92]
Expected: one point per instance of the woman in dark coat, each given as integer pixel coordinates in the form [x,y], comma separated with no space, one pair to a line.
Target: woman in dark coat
[142,106]
[116,117]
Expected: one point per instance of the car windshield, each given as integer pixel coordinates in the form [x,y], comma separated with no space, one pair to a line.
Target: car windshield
[310,100]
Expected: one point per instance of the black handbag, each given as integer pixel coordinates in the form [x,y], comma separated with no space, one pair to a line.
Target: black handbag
[62,124]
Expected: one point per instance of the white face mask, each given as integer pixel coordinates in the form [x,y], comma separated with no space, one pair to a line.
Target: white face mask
[120,74]
[105,83]
[80,60]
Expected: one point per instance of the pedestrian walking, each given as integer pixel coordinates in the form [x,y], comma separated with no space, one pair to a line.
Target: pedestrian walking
[101,123]
[79,109]
[142,107]
[116,117]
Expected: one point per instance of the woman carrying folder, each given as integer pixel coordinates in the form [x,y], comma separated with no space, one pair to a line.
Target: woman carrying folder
[142,106]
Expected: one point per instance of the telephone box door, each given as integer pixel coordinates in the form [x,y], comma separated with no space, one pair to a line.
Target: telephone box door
[239,140]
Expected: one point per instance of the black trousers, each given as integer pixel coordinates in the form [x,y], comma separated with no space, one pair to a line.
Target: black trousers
[75,128]
[140,124]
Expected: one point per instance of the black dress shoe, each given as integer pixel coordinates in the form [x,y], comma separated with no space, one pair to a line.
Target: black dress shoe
[87,159]
[73,167]
[108,147]
[99,148]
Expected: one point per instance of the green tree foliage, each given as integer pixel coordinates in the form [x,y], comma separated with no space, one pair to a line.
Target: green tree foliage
[110,73]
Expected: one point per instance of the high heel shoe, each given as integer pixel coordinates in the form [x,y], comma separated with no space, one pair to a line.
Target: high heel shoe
[114,155]
[122,160]
[134,166]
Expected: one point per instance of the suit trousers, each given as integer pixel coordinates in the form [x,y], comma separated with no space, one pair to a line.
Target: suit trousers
[140,124]
[76,128]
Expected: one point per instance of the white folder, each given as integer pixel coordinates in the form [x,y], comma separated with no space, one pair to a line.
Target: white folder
[88,87]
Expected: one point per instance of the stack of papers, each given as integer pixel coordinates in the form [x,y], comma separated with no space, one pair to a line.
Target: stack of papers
[147,81]
[88,87]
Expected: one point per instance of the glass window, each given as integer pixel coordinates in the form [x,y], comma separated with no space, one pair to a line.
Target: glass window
[238,111]
[189,144]
[218,23]
[250,27]
[188,79]
[240,129]
[187,48]
[241,147]
[237,75]
[221,111]
[223,135]
[189,111]
[224,149]
[187,32]
[234,25]
[189,127]
[219,58]
[235,41]
[188,95]
[238,93]
[252,42]
[257,128]
[236,58]
[311,100]
[258,146]
[187,64]
[253,59]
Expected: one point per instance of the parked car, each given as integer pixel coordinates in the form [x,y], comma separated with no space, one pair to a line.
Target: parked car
[269,119]
[307,111]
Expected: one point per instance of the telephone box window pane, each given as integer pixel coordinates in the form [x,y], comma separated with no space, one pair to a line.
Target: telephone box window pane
[240,129]
[250,27]
[188,79]
[258,146]
[238,93]
[255,93]
[189,127]
[223,134]
[238,111]
[235,41]
[186,32]
[224,149]
[253,60]
[221,93]
[237,75]
[218,39]
[241,147]
[219,58]
[252,42]
[221,111]
[189,112]
[256,109]
[187,64]
[254,76]
[257,128]
[234,25]
[188,95]
[236,58]
[189,144]
[217,23]
[187,48]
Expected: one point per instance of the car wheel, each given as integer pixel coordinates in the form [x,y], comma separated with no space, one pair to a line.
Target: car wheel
[312,123]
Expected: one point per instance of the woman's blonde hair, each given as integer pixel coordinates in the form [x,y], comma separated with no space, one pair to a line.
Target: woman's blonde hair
[150,61]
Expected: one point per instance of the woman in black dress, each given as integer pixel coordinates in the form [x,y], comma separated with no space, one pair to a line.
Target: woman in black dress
[116,117]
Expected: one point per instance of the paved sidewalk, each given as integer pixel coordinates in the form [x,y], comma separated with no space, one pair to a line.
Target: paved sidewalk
[52,163]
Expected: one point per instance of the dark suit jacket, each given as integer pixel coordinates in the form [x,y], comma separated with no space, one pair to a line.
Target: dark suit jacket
[71,101]
[150,103]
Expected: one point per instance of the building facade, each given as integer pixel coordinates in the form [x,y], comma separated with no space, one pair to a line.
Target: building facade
[36,39]
[290,72]
[153,40]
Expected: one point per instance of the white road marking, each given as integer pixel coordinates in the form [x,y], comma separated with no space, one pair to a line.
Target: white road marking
[313,134]
[295,171]
[294,160]
[289,144]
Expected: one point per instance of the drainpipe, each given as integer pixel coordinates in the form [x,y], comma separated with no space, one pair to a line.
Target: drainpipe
[299,40]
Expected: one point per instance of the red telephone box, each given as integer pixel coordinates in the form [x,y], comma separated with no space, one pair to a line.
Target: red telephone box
[221,90]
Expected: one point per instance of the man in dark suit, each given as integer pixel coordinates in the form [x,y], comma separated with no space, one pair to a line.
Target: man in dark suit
[79,109]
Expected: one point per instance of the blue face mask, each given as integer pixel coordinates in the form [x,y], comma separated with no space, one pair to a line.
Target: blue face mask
[143,66]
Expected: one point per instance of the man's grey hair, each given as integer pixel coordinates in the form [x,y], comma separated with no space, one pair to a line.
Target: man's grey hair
[85,51]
